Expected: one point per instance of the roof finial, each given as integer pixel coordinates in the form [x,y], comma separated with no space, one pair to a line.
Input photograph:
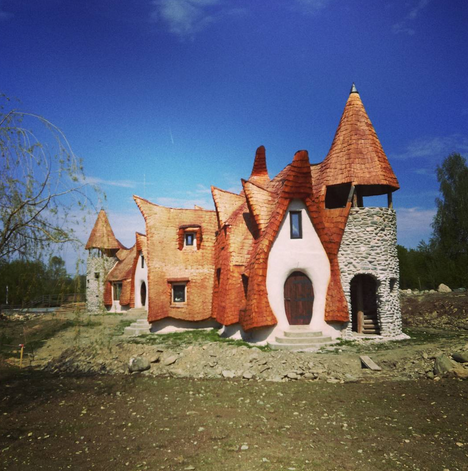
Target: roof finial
[353,89]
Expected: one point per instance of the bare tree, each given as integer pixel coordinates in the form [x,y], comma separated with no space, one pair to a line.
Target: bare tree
[43,190]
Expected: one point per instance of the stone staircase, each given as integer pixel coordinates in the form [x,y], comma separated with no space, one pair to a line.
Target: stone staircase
[140,326]
[300,337]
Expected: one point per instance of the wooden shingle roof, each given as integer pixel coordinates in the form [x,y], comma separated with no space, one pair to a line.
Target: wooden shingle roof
[356,155]
[102,236]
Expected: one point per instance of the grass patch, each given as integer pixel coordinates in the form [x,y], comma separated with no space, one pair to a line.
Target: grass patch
[192,337]
[120,327]
[34,333]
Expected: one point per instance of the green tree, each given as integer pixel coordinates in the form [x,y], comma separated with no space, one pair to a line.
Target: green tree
[450,226]
[42,186]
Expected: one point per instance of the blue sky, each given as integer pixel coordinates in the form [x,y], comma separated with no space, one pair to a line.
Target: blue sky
[163,98]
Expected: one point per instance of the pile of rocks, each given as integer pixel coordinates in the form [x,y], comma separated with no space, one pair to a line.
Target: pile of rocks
[442,288]
[218,360]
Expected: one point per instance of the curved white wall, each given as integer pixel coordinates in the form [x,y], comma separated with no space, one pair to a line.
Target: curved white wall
[141,275]
[306,255]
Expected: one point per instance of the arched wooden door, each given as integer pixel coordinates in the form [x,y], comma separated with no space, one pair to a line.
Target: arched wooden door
[298,298]
[143,294]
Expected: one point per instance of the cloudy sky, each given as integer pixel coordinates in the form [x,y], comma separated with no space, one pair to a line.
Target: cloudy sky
[163,98]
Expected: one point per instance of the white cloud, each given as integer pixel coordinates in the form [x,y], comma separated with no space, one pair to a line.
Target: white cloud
[119,183]
[402,26]
[414,225]
[186,18]
[434,147]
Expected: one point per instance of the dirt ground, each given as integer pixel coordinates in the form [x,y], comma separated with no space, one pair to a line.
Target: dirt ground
[75,406]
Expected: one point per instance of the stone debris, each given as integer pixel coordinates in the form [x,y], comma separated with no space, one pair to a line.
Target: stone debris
[220,360]
[443,289]
[460,357]
[138,364]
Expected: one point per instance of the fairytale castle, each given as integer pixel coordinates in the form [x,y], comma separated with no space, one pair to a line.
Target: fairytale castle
[299,249]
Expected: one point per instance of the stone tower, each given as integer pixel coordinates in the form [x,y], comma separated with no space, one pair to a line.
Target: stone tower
[102,247]
[358,169]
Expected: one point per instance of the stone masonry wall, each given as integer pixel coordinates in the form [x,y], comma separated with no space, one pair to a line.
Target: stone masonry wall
[97,269]
[369,247]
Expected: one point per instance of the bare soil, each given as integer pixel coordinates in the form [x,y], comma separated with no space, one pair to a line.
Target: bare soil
[75,406]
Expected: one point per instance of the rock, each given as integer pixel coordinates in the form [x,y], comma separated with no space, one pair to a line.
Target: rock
[460,357]
[459,290]
[349,378]
[156,358]
[430,375]
[138,364]
[443,365]
[170,360]
[292,375]
[247,375]
[333,380]
[461,372]
[244,447]
[228,374]
[309,376]
[443,289]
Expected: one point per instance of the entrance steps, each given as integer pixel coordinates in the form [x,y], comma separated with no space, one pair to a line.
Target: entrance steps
[300,337]
[137,312]
[141,326]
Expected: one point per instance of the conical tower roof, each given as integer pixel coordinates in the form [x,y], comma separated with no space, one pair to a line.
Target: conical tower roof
[259,173]
[102,236]
[356,155]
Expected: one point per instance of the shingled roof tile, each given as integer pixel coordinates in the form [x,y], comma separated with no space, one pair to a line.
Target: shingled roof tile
[102,236]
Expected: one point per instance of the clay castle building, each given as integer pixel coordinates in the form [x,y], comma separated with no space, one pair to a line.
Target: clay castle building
[298,249]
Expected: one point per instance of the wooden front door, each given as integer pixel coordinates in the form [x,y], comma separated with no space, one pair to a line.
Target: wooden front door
[298,299]
[143,294]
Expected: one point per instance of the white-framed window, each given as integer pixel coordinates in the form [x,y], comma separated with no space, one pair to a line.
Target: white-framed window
[179,293]
[295,220]
[142,260]
[117,291]
[189,239]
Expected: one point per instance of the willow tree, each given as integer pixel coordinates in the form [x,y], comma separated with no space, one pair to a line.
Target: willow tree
[43,191]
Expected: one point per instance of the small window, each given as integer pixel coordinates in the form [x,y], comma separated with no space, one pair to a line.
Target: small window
[178,293]
[295,219]
[96,275]
[218,275]
[189,238]
[117,291]
[142,261]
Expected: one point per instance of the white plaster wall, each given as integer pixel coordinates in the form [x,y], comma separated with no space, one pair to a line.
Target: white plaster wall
[141,275]
[306,255]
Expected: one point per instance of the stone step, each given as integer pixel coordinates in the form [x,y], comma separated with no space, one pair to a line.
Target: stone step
[311,347]
[303,340]
[302,333]
[134,331]
[299,328]
[142,321]
[298,338]
[139,327]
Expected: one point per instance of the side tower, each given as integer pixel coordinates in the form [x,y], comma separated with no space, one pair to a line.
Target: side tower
[357,168]
[102,247]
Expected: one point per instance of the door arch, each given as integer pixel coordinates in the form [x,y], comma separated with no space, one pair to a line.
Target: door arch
[143,294]
[364,305]
[298,298]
